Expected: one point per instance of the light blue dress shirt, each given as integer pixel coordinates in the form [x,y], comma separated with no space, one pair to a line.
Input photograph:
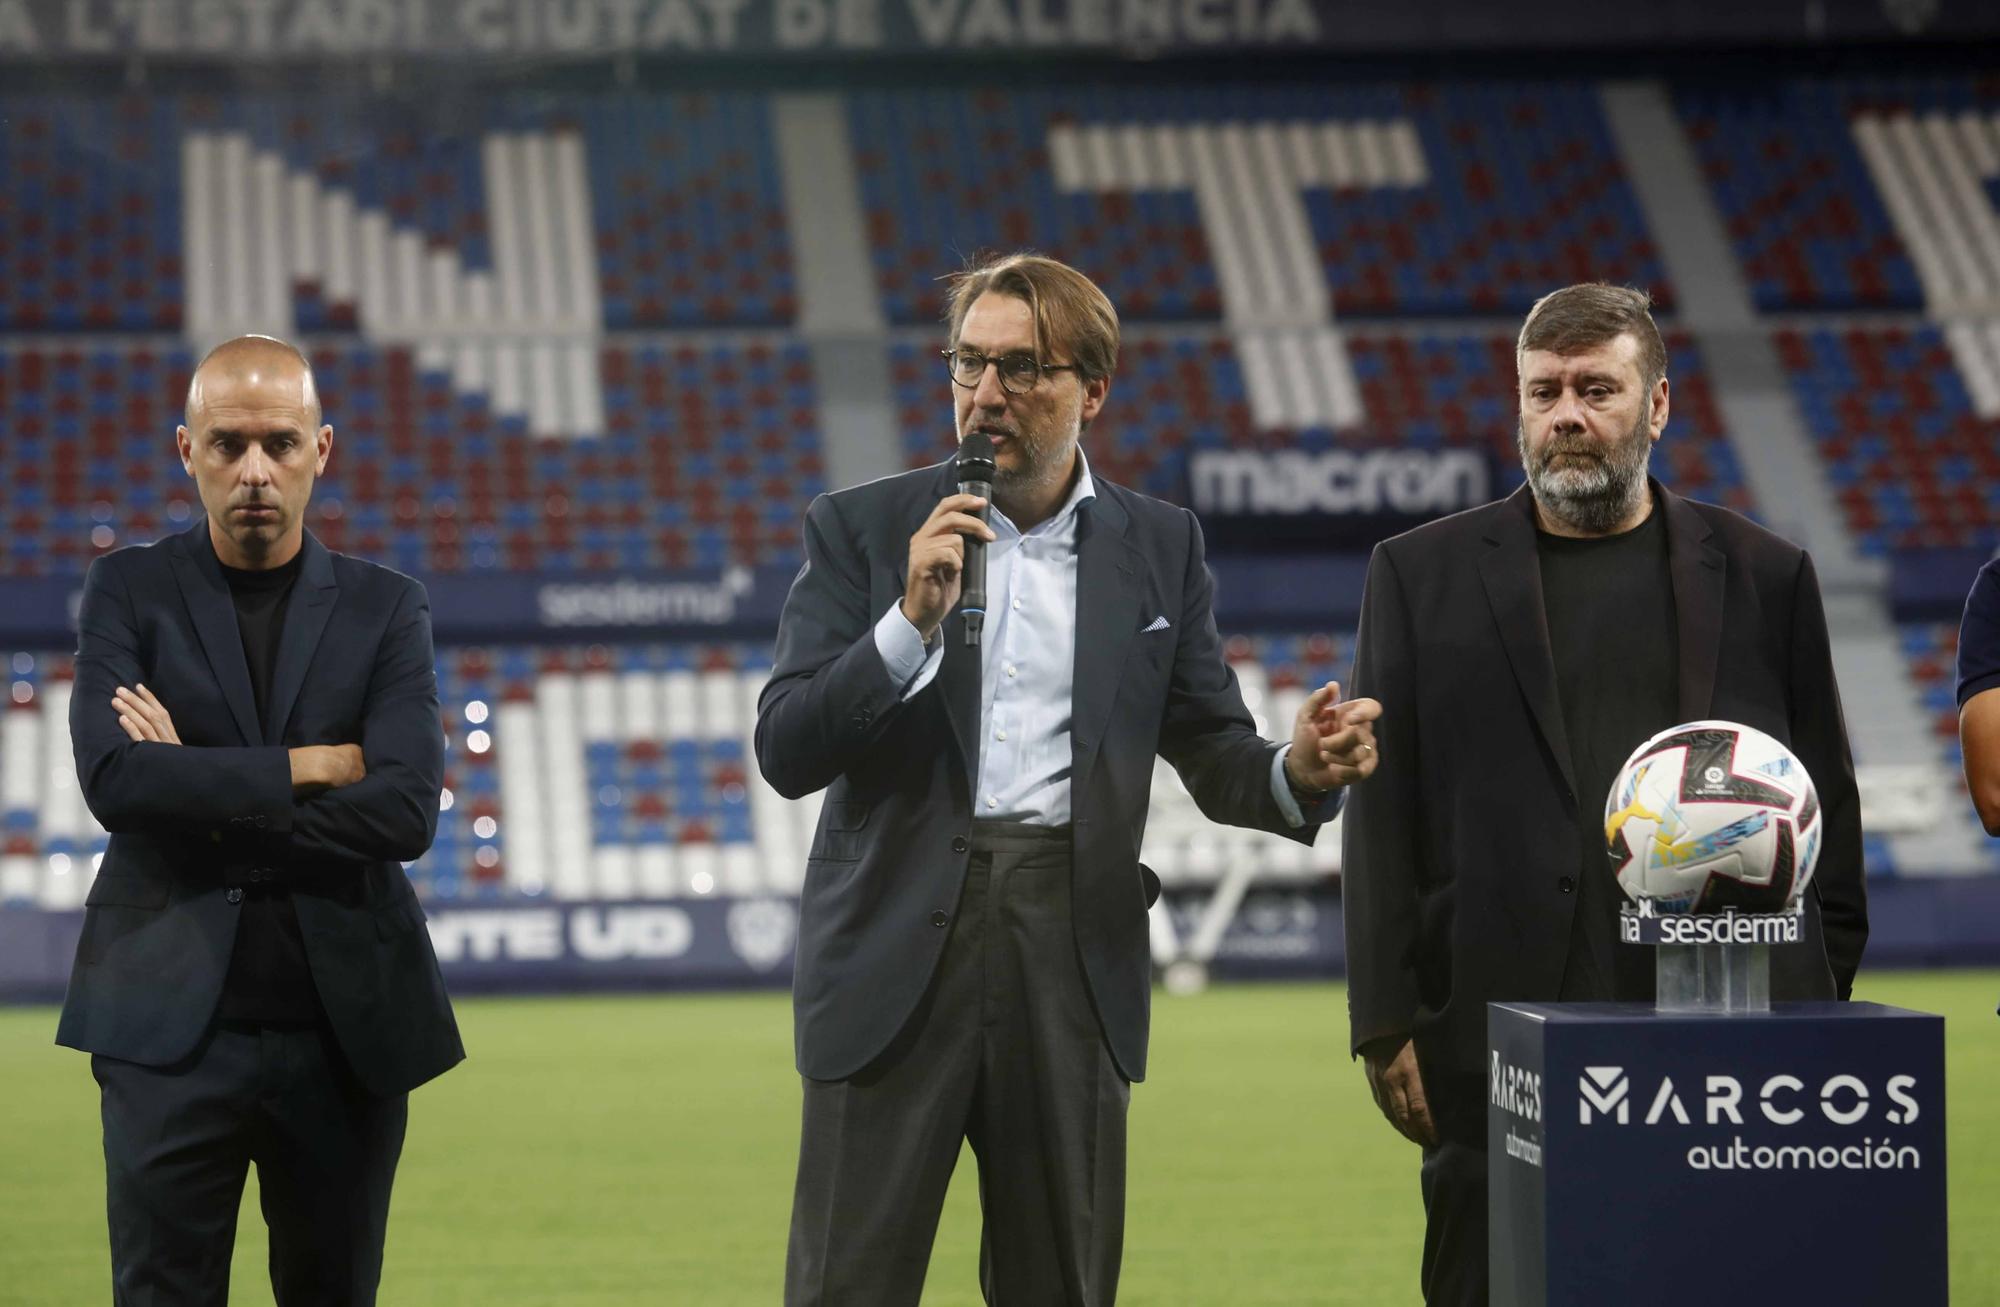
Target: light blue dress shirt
[1027,668]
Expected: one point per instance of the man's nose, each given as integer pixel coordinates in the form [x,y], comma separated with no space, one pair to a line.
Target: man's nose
[989,393]
[256,467]
[1567,416]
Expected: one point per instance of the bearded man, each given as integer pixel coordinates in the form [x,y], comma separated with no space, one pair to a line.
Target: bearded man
[973,960]
[1520,652]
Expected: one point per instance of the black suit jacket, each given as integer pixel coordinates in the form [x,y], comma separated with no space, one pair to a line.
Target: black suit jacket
[1452,853]
[891,849]
[190,822]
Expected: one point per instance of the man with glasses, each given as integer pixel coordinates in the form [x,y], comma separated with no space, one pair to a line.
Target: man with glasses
[973,959]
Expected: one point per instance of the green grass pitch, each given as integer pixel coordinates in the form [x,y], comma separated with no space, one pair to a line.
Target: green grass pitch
[605,1152]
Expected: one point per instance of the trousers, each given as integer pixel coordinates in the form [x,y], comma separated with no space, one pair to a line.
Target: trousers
[1004,1050]
[178,1144]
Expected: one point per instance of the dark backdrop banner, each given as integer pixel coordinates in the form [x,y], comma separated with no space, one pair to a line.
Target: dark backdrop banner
[1280,931]
[509,30]
[1931,585]
[1332,499]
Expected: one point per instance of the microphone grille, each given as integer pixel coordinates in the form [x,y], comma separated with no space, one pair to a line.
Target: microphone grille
[977,447]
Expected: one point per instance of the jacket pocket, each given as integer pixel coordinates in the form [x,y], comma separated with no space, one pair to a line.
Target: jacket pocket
[128,892]
[399,917]
[841,837]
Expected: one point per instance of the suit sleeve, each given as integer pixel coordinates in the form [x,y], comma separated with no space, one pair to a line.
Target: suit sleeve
[1819,737]
[142,786]
[1207,733]
[830,696]
[1379,857]
[392,812]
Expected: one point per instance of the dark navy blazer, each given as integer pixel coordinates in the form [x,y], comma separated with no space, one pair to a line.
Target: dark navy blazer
[191,824]
[891,850]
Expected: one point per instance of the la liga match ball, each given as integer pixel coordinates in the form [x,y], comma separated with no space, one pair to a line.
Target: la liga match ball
[1713,816]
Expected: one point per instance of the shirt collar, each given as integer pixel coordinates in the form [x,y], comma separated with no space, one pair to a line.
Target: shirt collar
[1064,521]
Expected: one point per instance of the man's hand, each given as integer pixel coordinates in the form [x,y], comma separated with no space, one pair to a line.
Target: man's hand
[937,559]
[325,767]
[1333,743]
[1391,1067]
[143,716]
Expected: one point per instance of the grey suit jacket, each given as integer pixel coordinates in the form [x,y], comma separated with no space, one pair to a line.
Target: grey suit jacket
[891,850]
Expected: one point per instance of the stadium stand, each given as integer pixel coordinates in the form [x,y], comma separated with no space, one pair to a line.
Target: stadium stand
[690,222]
[602,773]
[1914,464]
[1857,193]
[1420,199]
[543,324]
[88,240]
[1809,228]
[374,212]
[710,457]
[1932,648]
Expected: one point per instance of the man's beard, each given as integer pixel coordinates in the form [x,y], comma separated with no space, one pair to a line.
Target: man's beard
[1043,453]
[1597,496]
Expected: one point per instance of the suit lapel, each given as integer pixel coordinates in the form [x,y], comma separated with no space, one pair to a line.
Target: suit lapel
[958,679]
[1700,572]
[1107,621]
[1512,572]
[214,614]
[305,620]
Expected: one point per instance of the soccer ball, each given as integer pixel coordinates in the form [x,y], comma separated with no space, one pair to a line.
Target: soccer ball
[1712,816]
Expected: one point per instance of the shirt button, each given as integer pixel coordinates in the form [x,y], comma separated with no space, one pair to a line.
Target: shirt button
[1567,884]
[939,919]
[999,735]
[233,894]
[1017,605]
[1010,671]
[958,844]
[992,802]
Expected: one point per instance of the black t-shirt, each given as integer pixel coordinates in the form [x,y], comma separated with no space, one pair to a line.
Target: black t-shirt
[1609,602]
[269,978]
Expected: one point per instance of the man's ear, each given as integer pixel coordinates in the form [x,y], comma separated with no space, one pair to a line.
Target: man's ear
[1095,391]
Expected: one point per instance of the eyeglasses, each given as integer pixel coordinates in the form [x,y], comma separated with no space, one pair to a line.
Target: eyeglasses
[1018,372]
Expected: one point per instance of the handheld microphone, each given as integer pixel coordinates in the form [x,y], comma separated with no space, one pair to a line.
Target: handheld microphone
[975,477]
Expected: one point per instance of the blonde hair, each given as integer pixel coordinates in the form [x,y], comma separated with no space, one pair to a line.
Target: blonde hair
[1072,316]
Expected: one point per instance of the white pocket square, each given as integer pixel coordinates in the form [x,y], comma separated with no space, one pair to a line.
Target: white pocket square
[1159,624]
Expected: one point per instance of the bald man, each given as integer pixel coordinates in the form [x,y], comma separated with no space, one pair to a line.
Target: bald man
[255,721]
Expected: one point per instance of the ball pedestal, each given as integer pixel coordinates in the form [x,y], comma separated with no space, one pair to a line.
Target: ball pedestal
[1717,1148]
[1719,978]
[1724,976]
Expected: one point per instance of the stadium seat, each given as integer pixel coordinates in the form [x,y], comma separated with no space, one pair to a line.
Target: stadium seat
[1912,462]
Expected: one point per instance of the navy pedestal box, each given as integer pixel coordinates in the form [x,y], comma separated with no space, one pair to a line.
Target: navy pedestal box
[1687,1160]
